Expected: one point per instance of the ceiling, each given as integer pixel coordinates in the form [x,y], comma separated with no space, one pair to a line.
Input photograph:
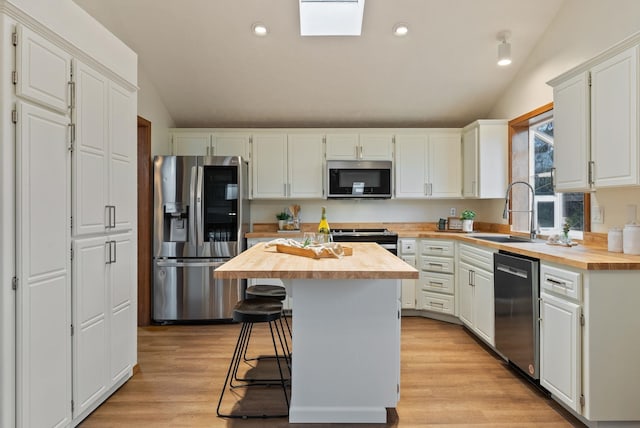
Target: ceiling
[211,71]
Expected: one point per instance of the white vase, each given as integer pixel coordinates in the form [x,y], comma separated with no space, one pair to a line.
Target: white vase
[281,224]
[467,225]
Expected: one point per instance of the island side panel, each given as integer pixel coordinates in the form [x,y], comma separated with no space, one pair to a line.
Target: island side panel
[346,350]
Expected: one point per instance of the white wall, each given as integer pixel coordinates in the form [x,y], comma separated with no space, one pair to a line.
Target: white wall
[581,30]
[152,108]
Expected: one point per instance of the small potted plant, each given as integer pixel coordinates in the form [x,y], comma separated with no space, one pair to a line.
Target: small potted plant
[282,218]
[467,217]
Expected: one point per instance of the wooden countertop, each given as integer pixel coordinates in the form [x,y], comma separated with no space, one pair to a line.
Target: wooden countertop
[369,261]
[580,256]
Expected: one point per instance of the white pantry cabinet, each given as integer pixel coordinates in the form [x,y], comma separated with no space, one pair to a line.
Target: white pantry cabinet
[104,190]
[428,164]
[485,159]
[287,166]
[103,340]
[359,146]
[475,286]
[596,121]
[43,289]
[74,123]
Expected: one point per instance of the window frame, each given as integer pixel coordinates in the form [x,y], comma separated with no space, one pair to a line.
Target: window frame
[519,127]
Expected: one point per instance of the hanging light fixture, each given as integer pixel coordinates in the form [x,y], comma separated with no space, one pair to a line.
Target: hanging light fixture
[504,49]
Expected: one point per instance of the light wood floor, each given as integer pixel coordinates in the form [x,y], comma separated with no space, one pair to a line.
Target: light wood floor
[447,380]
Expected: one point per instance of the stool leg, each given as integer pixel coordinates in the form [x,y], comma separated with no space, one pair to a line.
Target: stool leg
[275,348]
[232,368]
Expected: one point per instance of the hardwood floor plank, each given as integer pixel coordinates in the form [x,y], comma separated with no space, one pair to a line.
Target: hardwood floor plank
[448,380]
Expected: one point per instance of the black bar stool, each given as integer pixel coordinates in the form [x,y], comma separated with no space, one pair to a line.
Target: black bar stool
[268,291]
[249,312]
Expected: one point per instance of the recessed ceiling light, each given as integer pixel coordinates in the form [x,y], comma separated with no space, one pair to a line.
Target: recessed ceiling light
[259,29]
[400,30]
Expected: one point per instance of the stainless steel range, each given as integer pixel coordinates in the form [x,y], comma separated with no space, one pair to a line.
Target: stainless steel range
[383,237]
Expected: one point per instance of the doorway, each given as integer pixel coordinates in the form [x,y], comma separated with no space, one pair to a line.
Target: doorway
[145,209]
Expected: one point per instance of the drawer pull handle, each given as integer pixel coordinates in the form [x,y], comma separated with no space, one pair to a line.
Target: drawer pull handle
[438,304]
[556,282]
[440,284]
[437,248]
[435,264]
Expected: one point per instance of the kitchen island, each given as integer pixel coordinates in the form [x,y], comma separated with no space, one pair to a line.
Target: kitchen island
[346,329]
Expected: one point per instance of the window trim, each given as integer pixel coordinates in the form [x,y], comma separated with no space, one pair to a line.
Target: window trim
[521,125]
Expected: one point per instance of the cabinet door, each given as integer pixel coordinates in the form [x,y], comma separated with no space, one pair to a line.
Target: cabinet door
[560,349]
[571,128]
[614,120]
[465,293]
[376,147]
[43,71]
[90,186]
[43,297]
[408,290]
[470,163]
[444,169]
[230,144]
[188,143]
[269,163]
[483,312]
[305,166]
[122,156]
[90,339]
[411,166]
[342,146]
[122,288]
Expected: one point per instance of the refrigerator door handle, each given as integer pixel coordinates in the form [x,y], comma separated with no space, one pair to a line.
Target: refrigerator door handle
[171,264]
[192,205]
[199,224]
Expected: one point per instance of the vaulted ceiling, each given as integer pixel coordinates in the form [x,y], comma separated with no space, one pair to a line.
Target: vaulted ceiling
[210,70]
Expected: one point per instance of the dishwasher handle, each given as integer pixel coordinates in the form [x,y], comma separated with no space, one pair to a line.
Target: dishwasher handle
[512,271]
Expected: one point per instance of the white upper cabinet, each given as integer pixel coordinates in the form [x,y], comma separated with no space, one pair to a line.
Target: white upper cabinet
[571,149]
[596,122]
[428,165]
[353,146]
[287,166]
[105,151]
[187,142]
[485,159]
[43,71]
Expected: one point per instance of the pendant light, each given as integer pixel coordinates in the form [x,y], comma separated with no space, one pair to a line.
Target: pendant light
[504,49]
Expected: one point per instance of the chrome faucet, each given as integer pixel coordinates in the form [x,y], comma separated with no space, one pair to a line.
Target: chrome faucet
[533,233]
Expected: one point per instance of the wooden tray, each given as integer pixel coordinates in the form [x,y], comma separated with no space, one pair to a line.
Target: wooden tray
[305,252]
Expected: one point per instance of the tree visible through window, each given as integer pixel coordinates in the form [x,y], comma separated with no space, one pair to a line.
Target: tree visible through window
[552,209]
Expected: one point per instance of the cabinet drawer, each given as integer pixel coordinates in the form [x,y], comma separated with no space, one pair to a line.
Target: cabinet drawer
[561,281]
[436,264]
[407,246]
[436,247]
[475,256]
[439,282]
[436,302]
[409,259]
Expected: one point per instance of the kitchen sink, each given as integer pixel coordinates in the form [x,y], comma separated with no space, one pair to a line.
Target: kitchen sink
[502,238]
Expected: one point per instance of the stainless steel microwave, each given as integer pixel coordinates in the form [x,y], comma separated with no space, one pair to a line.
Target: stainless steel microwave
[359,179]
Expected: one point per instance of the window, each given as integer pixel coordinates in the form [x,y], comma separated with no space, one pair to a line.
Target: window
[532,146]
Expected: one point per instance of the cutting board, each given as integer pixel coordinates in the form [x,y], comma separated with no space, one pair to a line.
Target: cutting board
[305,252]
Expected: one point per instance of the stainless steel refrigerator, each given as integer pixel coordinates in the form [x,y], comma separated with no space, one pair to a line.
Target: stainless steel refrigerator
[201,214]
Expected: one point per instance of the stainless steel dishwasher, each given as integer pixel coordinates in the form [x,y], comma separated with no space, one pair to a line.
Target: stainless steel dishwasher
[517,310]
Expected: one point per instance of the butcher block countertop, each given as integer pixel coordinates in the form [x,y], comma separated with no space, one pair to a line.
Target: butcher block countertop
[588,255]
[369,261]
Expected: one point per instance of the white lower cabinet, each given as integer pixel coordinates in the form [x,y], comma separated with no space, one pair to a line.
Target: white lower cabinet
[407,253]
[104,333]
[560,352]
[475,287]
[436,291]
